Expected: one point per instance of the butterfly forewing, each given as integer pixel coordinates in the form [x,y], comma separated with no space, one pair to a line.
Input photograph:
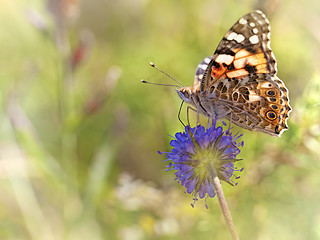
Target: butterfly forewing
[244,49]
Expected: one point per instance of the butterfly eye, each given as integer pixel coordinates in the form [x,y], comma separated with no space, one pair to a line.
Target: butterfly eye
[271,115]
[186,94]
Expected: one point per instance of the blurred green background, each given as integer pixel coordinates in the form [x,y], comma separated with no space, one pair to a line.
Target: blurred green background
[80,133]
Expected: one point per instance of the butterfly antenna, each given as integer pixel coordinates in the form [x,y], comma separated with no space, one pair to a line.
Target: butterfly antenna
[154,66]
[161,84]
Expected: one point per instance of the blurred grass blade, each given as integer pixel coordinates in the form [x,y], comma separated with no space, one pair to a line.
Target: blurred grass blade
[26,198]
[27,138]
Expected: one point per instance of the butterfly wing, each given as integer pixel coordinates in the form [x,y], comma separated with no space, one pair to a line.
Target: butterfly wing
[201,68]
[242,77]
[259,102]
[244,49]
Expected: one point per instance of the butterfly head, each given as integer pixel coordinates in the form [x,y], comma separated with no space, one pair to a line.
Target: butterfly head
[184,94]
[187,94]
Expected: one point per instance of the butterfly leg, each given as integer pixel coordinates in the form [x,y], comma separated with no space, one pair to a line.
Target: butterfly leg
[209,122]
[198,120]
[180,113]
[230,120]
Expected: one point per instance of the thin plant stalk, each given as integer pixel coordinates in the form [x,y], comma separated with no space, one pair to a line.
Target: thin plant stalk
[224,206]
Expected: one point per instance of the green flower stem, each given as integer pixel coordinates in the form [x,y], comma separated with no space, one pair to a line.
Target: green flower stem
[224,206]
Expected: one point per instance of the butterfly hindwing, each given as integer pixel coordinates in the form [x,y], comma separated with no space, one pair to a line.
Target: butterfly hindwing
[201,69]
[258,102]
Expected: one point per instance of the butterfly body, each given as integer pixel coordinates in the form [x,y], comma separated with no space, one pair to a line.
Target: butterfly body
[239,81]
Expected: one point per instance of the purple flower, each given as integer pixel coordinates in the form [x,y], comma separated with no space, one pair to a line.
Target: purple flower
[199,154]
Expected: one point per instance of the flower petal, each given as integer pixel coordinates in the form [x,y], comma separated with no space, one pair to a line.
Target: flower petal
[218,151]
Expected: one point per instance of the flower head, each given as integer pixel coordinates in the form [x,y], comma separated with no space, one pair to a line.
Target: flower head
[199,154]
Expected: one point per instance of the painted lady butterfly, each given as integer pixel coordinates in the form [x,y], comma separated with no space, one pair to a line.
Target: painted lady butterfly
[239,81]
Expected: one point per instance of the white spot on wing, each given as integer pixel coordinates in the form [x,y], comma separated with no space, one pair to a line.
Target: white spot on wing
[255,30]
[254,39]
[252,24]
[243,21]
[224,58]
[266,85]
[268,45]
[231,36]
[239,38]
[253,97]
[269,35]
[202,66]
[207,60]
